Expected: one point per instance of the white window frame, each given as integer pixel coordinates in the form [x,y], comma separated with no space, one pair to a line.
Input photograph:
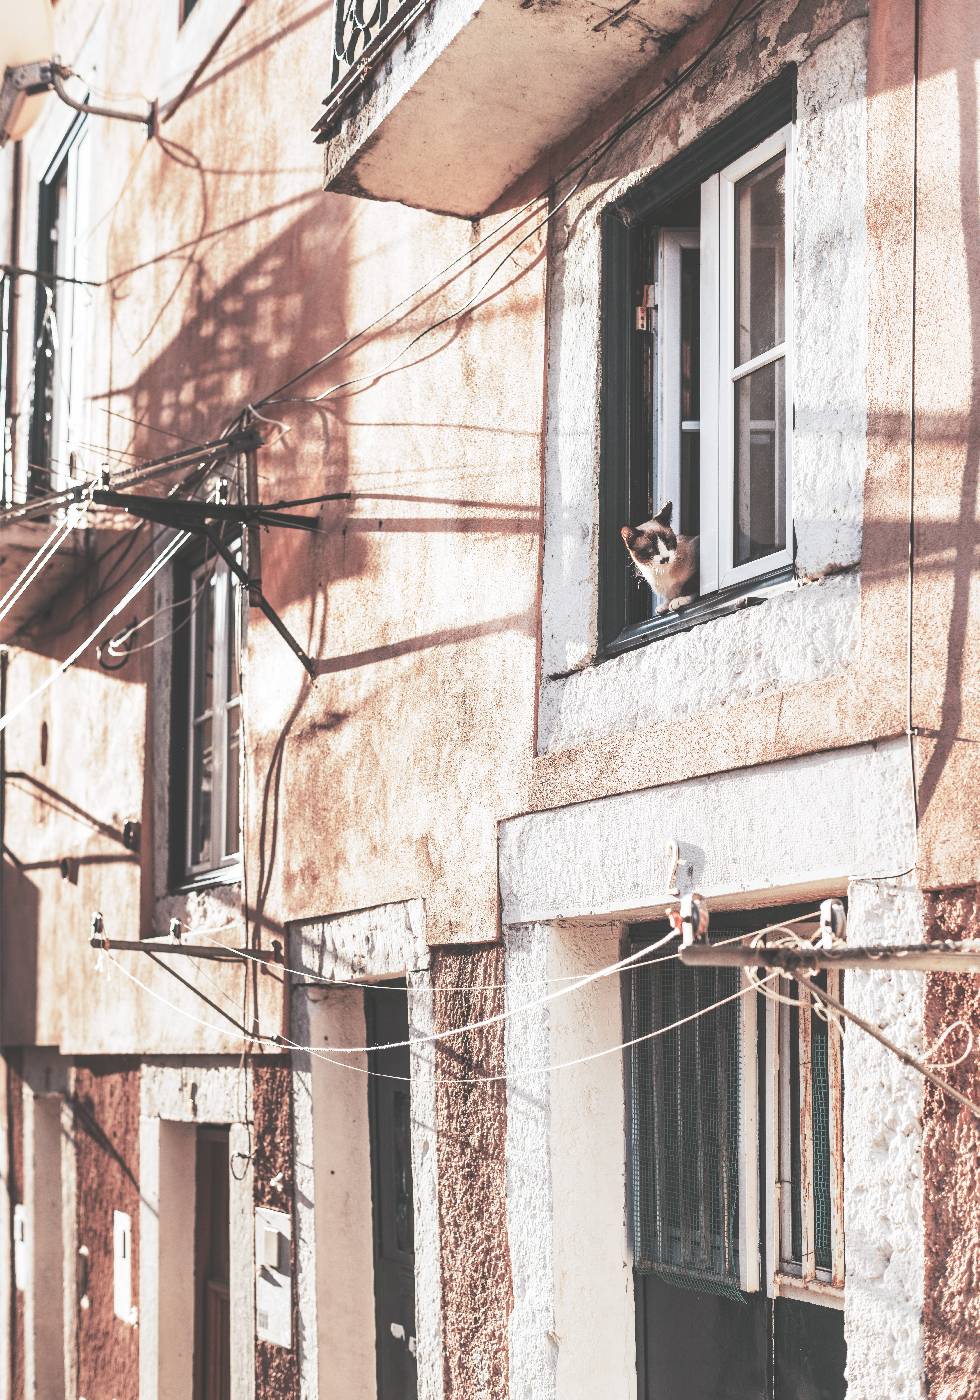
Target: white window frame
[719,372]
[217,575]
[70,411]
[669,424]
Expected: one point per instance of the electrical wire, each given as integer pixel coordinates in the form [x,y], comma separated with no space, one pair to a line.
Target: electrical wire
[162,560]
[510,1076]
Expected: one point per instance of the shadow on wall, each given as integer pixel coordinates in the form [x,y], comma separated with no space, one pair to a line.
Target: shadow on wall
[18,989]
[963,537]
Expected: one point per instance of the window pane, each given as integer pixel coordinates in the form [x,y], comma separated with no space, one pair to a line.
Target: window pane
[690,444]
[202,781]
[820,1075]
[760,464]
[684,1126]
[233,633]
[232,780]
[760,232]
[202,601]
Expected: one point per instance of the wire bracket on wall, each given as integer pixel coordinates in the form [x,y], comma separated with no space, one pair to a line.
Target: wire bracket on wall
[188,950]
[202,517]
[29,79]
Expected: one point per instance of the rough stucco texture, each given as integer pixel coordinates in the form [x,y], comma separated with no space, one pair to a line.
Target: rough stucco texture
[106,1109]
[471,1124]
[15,1185]
[276,1369]
[951,1170]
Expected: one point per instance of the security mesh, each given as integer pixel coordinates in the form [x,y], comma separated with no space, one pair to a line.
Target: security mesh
[820,1073]
[684,1126]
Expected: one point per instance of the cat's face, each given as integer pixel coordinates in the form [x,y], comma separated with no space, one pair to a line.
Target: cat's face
[653,543]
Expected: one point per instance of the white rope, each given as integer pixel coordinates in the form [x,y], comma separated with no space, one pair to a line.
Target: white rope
[161,561]
[321,1054]
[517,1075]
[41,558]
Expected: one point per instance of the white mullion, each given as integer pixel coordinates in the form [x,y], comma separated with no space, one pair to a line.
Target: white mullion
[219,661]
[759,362]
[193,602]
[709,445]
[729,372]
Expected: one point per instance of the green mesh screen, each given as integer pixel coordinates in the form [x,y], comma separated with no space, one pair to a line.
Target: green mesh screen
[684,1126]
[820,1075]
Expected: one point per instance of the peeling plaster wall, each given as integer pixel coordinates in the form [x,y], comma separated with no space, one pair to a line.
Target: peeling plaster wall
[276,1368]
[951,1168]
[883,1221]
[471,1127]
[105,1107]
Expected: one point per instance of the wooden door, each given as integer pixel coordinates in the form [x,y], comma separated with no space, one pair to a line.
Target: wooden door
[212,1319]
[390,1105]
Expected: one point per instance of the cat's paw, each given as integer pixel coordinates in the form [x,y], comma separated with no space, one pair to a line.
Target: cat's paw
[662,608]
[676,604]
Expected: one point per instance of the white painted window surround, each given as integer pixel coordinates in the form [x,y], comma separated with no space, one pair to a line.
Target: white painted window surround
[192,40]
[802,633]
[571,879]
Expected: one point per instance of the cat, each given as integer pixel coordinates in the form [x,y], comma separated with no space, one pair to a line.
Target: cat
[668,562]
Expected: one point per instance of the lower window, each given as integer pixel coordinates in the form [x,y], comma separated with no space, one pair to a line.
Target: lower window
[735,1166]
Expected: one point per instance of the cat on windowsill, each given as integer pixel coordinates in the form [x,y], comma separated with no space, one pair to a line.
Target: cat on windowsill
[668,562]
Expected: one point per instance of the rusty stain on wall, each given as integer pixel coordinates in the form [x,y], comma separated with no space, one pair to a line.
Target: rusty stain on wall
[276,1368]
[471,1127]
[106,1112]
[951,1169]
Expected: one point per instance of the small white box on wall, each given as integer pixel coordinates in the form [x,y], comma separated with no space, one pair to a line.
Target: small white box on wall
[21,1259]
[122,1266]
[273,1277]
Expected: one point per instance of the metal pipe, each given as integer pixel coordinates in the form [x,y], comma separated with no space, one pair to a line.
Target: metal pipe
[917,957]
[191,950]
[876,1034]
[58,75]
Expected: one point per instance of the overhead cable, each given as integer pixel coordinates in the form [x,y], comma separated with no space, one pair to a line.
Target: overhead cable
[161,561]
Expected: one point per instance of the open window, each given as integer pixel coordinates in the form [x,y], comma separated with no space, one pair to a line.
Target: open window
[60,316]
[697,378]
[735,1156]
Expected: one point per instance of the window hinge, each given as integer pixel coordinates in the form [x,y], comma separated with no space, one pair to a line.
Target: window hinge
[646,311]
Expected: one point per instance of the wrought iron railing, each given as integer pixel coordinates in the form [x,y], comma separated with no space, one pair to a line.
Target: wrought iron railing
[357,25]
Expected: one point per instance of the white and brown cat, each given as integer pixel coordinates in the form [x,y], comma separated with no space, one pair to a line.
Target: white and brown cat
[668,562]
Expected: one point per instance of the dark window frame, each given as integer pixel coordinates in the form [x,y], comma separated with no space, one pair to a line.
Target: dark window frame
[626,418]
[179,879]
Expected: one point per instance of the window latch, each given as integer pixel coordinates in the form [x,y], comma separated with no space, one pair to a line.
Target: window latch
[646,311]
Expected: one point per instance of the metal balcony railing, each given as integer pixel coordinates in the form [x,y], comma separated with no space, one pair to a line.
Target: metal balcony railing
[358,24]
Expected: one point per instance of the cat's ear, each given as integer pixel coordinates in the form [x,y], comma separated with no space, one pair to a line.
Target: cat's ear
[629,535]
[664,513]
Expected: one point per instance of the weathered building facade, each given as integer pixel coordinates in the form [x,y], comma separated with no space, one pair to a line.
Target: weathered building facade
[571,261]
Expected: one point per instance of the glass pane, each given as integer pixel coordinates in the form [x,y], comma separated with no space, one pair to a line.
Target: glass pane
[233,632]
[760,234]
[795,1162]
[232,780]
[202,782]
[202,601]
[759,515]
[820,1077]
[690,482]
[690,334]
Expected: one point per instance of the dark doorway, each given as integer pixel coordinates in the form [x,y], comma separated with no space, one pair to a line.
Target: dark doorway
[212,1317]
[390,1110]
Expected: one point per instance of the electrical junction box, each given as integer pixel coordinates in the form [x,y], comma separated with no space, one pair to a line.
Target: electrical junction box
[122,1266]
[21,1258]
[273,1277]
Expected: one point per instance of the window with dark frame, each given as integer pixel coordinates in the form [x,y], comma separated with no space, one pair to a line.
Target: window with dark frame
[697,394]
[206,747]
[58,316]
[735,1154]
[186,6]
